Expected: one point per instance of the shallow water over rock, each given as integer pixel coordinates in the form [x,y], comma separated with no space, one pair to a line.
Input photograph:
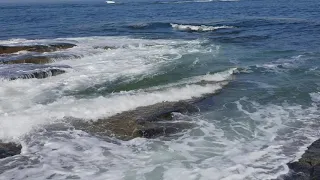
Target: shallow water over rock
[27,71]
[35,48]
[149,121]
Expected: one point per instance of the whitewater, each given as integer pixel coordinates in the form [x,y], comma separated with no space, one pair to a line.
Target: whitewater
[248,71]
[39,108]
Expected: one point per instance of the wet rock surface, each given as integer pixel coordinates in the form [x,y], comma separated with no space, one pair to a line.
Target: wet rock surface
[9,149]
[105,47]
[27,71]
[149,121]
[35,48]
[30,60]
[308,166]
[35,58]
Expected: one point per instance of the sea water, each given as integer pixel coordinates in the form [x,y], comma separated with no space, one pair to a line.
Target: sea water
[263,111]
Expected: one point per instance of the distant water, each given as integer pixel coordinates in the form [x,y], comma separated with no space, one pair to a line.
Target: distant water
[268,51]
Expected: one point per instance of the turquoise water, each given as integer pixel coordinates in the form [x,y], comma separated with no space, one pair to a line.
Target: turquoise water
[264,116]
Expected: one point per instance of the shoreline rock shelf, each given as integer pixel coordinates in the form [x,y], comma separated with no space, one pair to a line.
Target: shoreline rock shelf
[27,71]
[35,48]
[308,166]
[149,121]
[30,60]
[31,65]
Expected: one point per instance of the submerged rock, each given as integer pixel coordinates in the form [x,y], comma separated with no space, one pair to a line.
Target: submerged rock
[9,149]
[149,121]
[40,74]
[308,166]
[35,48]
[105,47]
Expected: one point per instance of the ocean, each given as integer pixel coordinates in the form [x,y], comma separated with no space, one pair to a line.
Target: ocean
[254,64]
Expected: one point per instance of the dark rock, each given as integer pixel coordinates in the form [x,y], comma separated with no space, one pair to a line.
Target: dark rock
[62,45]
[151,130]
[35,48]
[308,166]
[26,71]
[40,74]
[9,149]
[105,47]
[33,60]
[316,172]
[149,121]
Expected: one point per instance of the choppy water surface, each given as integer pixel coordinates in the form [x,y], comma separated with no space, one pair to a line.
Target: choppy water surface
[139,53]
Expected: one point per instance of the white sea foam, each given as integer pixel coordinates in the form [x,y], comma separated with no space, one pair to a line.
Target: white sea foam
[223,76]
[315,97]
[25,104]
[283,64]
[200,28]
[110,2]
[15,124]
[97,66]
[240,140]
[256,145]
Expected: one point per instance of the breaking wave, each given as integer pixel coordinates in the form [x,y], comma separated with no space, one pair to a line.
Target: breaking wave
[29,103]
[200,28]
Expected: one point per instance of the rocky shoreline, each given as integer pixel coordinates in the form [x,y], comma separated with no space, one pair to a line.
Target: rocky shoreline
[34,64]
[308,166]
[148,122]
[35,48]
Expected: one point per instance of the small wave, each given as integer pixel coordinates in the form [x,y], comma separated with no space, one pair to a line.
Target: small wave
[102,107]
[110,2]
[198,28]
[282,65]
[130,59]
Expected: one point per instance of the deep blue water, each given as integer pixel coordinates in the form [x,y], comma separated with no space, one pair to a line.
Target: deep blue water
[268,52]
[288,24]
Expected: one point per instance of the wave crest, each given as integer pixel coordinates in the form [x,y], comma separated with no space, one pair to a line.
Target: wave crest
[198,28]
